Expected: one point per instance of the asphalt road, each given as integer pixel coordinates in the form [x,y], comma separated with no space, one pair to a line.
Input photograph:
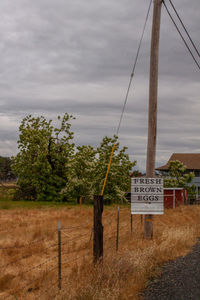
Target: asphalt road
[180,279]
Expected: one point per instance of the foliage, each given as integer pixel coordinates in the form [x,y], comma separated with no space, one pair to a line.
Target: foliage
[82,174]
[5,169]
[118,182]
[48,167]
[136,173]
[178,177]
[89,168]
[43,162]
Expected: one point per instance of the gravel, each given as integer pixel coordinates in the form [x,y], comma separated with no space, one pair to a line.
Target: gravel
[179,280]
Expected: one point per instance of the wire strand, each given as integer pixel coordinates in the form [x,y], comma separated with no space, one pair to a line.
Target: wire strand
[185,28]
[26,285]
[181,35]
[133,70]
[26,245]
[35,267]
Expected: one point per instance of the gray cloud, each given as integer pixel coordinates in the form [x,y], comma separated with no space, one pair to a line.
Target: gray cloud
[76,56]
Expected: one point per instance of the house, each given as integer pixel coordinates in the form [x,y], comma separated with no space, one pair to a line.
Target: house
[192,163]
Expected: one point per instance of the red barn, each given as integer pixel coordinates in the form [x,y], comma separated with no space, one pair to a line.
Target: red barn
[174,197]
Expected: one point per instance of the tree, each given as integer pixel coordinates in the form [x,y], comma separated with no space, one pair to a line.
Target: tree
[178,177]
[118,182]
[136,173]
[89,168]
[43,162]
[81,178]
[5,169]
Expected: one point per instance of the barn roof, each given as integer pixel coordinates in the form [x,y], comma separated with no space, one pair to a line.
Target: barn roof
[190,160]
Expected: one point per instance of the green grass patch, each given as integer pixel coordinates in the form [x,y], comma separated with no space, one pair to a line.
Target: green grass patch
[10,204]
[7,202]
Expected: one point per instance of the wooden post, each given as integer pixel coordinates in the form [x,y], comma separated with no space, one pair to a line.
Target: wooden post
[98,229]
[59,256]
[117,237]
[152,121]
[131,223]
[174,204]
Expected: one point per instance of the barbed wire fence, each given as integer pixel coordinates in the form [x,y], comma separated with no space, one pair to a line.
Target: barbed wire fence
[72,245]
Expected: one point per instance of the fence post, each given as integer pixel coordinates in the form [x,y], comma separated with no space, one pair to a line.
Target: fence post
[59,255]
[91,234]
[98,229]
[117,238]
[131,223]
[174,203]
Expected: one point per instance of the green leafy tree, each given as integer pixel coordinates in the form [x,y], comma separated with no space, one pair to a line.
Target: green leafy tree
[89,168]
[136,173]
[118,182]
[178,177]
[42,165]
[5,169]
[82,174]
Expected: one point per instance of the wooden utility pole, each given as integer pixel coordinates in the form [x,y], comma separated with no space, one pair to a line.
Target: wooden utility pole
[152,122]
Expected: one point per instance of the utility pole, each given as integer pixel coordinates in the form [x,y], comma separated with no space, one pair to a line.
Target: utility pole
[152,121]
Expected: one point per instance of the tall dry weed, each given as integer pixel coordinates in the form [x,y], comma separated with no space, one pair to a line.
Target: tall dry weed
[31,240]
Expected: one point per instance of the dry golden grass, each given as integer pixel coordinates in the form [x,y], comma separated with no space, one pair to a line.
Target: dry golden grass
[30,239]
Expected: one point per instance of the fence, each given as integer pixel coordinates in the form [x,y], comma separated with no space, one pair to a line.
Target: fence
[42,266]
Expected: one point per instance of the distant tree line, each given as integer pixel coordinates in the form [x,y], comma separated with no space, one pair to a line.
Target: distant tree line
[6,173]
[49,166]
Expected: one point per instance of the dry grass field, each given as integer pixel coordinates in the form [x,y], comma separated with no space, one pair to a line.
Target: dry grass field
[28,251]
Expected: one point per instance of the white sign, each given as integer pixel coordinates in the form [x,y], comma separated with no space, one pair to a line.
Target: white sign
[147,196]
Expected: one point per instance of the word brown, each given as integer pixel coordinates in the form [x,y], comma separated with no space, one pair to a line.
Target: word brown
[147,189]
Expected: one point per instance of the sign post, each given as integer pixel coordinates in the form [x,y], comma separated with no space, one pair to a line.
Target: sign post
[152,122]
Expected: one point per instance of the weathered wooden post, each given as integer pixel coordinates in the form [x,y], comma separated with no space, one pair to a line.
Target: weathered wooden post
[98,229]
[152,121]
[131,223]
[117,236]
[174,203]
[59,255]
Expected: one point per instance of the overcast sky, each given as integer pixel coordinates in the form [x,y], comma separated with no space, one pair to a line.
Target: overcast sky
[76,56]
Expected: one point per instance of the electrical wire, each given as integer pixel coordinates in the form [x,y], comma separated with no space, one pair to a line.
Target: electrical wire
[184,27]
[126,98]
[133,70]
[181,35]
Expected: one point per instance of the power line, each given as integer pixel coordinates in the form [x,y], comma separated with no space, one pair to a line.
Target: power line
[181,36]
[185,28]
[133,70]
